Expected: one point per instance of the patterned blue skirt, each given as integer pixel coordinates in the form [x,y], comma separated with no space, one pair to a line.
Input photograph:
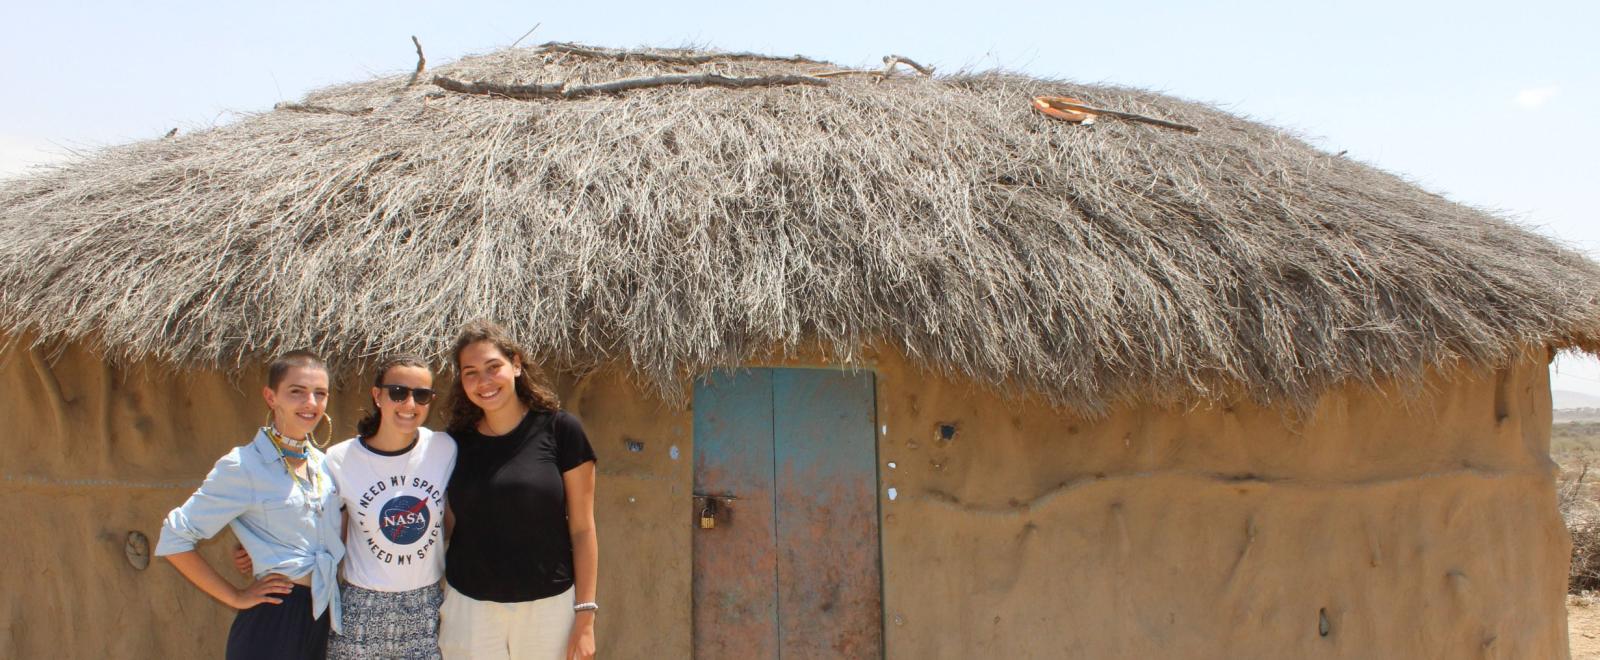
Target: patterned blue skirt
[388,624]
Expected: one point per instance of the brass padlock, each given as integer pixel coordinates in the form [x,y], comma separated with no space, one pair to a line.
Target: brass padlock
[708,515]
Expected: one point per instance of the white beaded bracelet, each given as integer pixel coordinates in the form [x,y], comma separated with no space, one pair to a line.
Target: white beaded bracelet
[586,607]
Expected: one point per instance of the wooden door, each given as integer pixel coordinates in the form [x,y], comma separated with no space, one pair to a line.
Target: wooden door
[786,467]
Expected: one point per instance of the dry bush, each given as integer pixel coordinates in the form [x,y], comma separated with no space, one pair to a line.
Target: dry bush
[1576,501]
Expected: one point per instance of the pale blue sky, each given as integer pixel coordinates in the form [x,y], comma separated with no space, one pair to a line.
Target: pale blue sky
[1490,103]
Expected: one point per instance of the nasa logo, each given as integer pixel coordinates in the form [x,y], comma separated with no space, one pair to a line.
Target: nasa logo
[403,519]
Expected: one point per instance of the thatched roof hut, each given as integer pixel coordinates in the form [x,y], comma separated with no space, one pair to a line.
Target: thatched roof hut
[686,227]
[934,229]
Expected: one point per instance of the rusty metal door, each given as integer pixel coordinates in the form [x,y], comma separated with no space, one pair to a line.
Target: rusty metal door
[786,550]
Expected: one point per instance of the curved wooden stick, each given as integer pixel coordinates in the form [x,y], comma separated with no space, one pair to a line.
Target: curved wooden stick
[320,109]
[562,91]
[422,62]
[619,55]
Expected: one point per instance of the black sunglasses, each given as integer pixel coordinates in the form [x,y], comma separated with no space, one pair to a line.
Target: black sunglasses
[398,393]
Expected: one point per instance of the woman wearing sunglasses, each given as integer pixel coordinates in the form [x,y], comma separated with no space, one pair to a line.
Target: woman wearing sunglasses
[276,495]
[392,477]
[523,556]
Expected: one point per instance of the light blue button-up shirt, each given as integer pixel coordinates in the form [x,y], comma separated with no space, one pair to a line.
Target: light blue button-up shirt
[250,491]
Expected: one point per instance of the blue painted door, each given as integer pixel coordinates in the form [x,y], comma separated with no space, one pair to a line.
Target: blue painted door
[786,477]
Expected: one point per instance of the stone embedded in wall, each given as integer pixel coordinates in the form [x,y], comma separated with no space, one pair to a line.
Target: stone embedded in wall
[137,550]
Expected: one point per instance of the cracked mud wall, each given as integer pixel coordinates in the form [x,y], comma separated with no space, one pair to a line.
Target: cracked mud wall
[1403,527]
[90,453]
[642,512]
[1381,525]
[87,455]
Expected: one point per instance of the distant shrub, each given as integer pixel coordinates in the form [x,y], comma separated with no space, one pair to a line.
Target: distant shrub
[1576,501]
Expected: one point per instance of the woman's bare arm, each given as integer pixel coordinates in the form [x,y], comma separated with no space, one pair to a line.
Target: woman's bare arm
[579,482]
[197,570]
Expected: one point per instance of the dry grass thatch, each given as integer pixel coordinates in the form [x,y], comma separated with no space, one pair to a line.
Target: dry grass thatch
[676,228]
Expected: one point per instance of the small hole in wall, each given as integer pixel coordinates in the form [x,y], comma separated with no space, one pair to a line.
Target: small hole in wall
[634,446]
[1323,627]
[947,432]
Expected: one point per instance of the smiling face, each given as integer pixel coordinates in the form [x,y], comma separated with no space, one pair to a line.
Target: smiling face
[488,377]
[404,416]
[298,401]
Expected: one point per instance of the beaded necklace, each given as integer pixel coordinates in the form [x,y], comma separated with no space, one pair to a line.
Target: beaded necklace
[311,486]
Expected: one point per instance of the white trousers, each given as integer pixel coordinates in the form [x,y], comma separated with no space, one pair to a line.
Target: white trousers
[482,630]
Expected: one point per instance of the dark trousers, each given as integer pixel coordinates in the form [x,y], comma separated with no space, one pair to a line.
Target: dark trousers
[279,632]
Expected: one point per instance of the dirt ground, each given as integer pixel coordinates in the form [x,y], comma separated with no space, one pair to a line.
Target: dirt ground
[1583,628]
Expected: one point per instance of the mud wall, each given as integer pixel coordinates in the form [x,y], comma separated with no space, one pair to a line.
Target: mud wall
[643,511]
[90,453]
[1384,524]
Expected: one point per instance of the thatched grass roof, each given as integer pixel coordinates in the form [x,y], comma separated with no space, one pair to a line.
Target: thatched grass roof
[677,228]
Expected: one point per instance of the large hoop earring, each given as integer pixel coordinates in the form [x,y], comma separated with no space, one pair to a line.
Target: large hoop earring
[313,434]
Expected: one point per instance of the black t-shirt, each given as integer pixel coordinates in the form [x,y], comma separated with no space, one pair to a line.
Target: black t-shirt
[511,543]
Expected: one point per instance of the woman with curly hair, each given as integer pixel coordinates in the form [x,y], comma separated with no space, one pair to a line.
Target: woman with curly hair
[523,560]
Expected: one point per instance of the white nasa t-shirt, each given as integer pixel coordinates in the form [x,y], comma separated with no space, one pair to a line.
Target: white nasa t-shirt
[395,506]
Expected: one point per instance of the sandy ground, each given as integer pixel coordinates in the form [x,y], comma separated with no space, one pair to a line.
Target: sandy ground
[1583,629]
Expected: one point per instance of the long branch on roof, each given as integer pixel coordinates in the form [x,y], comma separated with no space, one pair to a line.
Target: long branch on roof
[564,90]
